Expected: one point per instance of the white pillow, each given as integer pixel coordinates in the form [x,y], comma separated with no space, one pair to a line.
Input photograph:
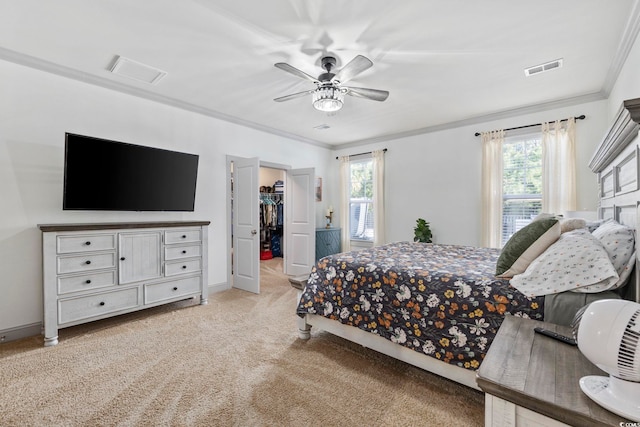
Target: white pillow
[619,242]
[570,224]
[576,260]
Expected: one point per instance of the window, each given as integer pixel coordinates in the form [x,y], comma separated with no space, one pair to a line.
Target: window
[361,200]
[521,183]
[518,182]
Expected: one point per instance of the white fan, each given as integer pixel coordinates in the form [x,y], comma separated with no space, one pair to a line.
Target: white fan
[608,334]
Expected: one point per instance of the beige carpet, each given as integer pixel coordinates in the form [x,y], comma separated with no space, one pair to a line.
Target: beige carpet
[234,362]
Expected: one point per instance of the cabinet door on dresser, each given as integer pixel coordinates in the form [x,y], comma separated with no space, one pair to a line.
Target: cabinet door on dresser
[139,254]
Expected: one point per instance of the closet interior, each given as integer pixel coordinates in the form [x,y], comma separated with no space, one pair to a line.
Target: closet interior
[271,183]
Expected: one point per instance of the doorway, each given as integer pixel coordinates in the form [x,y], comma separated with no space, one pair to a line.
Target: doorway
[245,240]
[272,203]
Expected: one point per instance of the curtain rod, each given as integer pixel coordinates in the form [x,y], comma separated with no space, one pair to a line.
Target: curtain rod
[582,117]
[384,150]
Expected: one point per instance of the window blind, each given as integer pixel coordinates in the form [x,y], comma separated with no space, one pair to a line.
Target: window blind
[521,183]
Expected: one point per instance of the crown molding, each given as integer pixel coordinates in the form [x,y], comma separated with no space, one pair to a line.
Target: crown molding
[500,115]
[629,37]
[67,72]
[70,73]
[623,130]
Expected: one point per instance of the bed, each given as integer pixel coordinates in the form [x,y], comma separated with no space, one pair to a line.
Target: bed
[439,307]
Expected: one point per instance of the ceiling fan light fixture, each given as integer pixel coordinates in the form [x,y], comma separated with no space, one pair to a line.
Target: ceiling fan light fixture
[328,96]
[328,99]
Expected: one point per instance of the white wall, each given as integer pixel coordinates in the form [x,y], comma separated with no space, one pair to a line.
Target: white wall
[37,108]
[627,84]
[436,176]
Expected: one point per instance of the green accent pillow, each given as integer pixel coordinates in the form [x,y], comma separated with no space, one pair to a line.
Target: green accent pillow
[526,245]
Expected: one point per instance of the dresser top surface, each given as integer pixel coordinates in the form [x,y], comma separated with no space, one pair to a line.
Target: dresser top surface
[119,225]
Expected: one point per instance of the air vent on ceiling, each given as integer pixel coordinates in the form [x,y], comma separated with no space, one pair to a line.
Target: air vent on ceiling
[537,69]
[322,127]
[137,71]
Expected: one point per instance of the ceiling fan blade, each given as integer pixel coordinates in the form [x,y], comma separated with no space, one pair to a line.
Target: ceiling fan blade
[293,96]
[373,94]
[352,69]
[293,70]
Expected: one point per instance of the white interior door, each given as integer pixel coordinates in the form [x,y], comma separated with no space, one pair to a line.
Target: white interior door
[246,226]
[300,221]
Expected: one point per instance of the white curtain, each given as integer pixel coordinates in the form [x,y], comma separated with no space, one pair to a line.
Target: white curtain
[378,198]
[491,215]
[559,167]
[345,197]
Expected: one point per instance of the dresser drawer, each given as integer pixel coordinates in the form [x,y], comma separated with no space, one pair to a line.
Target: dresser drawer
[89,262]
[182,236]
[170,290]
[182,267]
[179,252]
[85,282]
[74,309]
[86,243]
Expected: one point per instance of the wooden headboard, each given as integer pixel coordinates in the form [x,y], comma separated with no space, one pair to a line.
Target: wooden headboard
[615,162]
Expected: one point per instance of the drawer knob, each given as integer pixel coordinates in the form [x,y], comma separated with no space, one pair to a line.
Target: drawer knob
[184,266]
[87,262]
[88,281]
[122,258]
[175,288]
[184,236]
[87,243]
[101,303]
[184,252]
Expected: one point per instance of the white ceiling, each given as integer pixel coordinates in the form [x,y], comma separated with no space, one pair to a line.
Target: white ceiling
[445,63]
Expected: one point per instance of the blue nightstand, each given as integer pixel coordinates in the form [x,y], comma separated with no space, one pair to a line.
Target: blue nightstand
[327,242]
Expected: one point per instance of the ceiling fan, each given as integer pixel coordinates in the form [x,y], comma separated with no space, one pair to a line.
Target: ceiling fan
[328,96]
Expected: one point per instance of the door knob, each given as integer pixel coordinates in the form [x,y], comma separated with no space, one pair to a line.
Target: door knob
[254,232]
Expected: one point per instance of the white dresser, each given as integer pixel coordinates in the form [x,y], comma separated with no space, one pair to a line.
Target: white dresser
[94,271]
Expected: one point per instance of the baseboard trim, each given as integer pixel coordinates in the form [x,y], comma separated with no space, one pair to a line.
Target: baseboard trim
[218,287]
[33,329]
[19,332]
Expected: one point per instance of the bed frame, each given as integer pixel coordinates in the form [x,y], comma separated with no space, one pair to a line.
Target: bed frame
[615,163]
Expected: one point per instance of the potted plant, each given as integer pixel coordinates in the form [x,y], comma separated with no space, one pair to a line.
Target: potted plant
[422,231]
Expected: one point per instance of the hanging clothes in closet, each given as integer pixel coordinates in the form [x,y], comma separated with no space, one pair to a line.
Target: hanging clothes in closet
[271,224]
[276,236]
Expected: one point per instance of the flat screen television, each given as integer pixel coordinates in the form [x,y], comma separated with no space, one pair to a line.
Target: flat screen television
[100,174]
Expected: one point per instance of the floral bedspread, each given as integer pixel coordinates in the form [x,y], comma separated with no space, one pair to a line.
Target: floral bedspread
[440,300]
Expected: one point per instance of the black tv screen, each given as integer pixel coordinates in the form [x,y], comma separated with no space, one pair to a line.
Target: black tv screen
[100,174]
